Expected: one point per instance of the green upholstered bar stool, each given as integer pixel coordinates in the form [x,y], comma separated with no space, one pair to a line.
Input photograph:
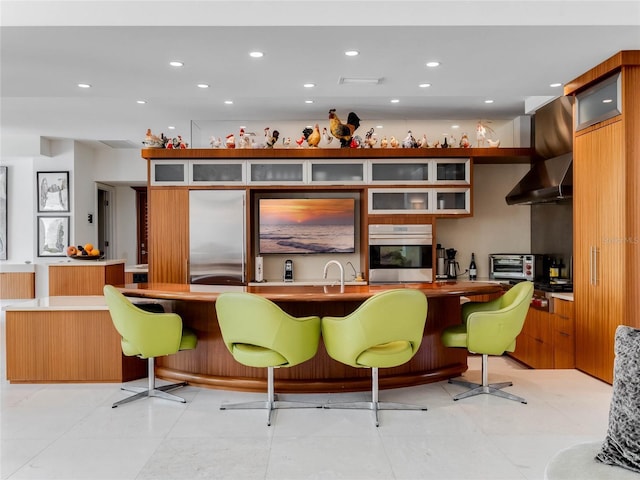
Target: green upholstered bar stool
[490,328]
[148,335]
[258,333]
[385,331]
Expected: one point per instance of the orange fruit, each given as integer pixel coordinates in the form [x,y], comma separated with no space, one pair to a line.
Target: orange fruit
[95,252]
[88,247]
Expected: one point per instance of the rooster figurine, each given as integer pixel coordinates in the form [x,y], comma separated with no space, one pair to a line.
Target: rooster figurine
[312,136]
[326,137]
[409,141]
[343,131]
[370,139]
[393,142]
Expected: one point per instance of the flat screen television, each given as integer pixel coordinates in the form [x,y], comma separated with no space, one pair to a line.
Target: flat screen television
[306,225]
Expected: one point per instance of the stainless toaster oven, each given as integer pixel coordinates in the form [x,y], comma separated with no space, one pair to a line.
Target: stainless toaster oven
[512,266]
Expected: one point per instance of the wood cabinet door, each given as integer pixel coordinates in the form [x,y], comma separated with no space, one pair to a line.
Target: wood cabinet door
[168,235]
[599,243]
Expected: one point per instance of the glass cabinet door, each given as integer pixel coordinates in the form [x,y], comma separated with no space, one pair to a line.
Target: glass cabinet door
[282,172]
[452,200]
[392,200]
[406,171]
[452,171]
[337,172]
[215,172]
[169,172]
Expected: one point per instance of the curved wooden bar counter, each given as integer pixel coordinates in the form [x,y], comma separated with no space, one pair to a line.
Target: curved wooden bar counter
[211,365]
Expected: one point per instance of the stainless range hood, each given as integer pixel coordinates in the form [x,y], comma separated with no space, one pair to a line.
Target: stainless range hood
[548,181]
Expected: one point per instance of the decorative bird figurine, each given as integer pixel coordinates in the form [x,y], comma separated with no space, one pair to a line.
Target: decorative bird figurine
[343,131]
[423,142]
[384,143]
[230,142]
[409,141]
[370,139]
[326,137]
[312,136]
[393,142]
[300,141]
[270,140]
[493,143]
[215,142]
[464,141]
[286,142]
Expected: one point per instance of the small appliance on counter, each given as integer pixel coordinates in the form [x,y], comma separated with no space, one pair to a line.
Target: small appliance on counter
[452,268]
[441,271]
[288,270]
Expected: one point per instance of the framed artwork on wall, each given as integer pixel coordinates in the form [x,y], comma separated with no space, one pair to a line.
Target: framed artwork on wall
[53,236]
[3,213]
[53,191]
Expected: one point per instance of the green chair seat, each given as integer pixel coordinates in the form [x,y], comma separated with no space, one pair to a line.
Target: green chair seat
[258,333]
[385,331]
[148,335]
[490,328]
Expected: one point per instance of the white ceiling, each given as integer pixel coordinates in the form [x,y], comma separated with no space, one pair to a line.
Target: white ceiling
[508,51]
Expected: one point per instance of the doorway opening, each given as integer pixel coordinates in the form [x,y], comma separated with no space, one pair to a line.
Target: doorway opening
[106,221]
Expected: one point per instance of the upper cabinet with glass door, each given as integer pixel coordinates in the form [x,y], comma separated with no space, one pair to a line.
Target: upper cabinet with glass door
[336,172]
[452,171]
[404,171]
[217,172]
[169,172]
[282,172]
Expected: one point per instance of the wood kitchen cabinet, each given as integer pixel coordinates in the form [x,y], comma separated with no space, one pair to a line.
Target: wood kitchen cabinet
[168,235]
[534,345]
[606,218]
[563,331]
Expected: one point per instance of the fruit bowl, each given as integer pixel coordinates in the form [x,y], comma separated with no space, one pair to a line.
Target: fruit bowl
[87,257]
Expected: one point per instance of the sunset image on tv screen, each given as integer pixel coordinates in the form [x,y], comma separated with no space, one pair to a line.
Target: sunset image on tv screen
[307,225]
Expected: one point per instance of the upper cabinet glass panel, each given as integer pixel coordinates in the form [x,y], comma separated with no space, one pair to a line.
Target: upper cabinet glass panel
[600,102]
[453,171]
[406,171]
[215,172]
[169,172]
[282,172]
[338,172]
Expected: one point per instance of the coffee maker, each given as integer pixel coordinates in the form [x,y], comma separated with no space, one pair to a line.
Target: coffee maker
[452,267]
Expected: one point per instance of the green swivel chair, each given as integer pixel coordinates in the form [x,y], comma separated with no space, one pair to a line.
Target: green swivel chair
[258,333]
[490,328]
[385,331]
[148,335]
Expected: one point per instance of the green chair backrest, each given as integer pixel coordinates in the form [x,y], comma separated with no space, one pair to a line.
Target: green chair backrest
[144,334]
[245,318]
[390,316]
[493,332]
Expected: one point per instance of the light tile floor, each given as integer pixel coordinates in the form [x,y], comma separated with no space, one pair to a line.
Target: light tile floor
[71,432]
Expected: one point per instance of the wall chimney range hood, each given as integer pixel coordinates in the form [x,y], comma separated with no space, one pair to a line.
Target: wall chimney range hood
[548,181]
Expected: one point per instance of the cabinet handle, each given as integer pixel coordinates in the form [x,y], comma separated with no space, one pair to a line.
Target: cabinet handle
[593,266]
[564,334]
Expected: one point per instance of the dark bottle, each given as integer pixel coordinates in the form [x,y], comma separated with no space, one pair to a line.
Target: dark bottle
[554,270]
[473,271]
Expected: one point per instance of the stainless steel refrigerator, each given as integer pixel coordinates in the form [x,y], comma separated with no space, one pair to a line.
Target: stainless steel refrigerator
[217,237]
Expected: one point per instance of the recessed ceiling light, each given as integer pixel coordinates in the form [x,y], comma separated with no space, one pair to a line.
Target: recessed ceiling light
[203,85]
[309,85]
[433,64]
[555,85]
[141,101]
[424,85]
[228,102]
[175,63]
[395,100]
[379,126]
[308,101]
[488,101]
[171,127]
[455,126]
[352,53]
[256,54]
[84,85]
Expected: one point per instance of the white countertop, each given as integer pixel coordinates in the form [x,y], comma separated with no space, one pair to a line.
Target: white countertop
[142,268]
[81,302]
[563,296]
[17,268]
[70,262]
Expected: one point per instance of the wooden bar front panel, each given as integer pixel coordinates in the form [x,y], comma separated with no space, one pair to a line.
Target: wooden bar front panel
[70,280]
[54,346]
[17,285]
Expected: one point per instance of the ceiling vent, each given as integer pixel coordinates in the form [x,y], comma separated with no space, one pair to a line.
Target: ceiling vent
[359,81]
[120,144]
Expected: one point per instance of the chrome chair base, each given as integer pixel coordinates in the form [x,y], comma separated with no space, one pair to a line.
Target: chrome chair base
[272,403]
[485,386]
[151,390]
[375,405]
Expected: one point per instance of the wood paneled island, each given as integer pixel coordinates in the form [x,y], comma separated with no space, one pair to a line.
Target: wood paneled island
[211,365]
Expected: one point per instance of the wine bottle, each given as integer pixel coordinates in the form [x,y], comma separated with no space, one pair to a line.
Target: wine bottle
[473,271]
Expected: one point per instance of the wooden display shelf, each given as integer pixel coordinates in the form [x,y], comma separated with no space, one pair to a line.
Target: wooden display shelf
[479,155]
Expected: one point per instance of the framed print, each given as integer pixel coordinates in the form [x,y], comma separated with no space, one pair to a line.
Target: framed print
[53,236]
[53,191]
[3,213]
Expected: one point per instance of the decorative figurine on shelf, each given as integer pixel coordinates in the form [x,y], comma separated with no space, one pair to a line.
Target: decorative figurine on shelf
[230,141]
[493,143]
[181,143]
[343,131]
[326,137]
[464,141]
[286,142]
[444,144]
[153,141]
[393,142]
[270,140]
[312,136]
[370,139]
[481,132]
[356,142]
[423,143]
[384,143]
[409,141]
[215,142]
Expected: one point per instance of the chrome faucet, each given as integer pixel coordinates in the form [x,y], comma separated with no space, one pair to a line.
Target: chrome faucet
[326,267]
